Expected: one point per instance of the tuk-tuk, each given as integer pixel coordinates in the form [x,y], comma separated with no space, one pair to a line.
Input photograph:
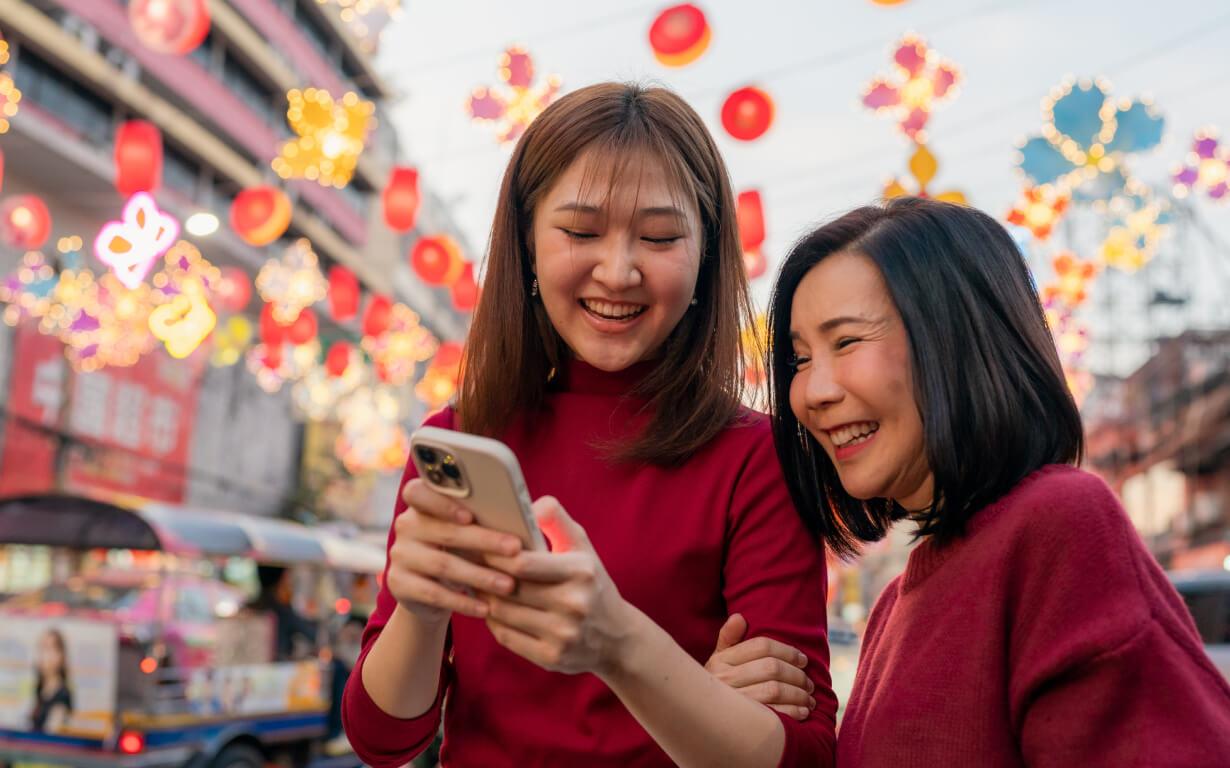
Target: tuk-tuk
[163,662]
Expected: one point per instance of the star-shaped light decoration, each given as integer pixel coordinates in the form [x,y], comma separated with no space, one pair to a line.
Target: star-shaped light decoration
[1140,222]
[1206,167]
[923,167]
[330,136]
[101,321]
[293,282]
[397,351]
[1086,137]
[1039,209]
[27,291]
[513,107]
[921,81]
[1072,278]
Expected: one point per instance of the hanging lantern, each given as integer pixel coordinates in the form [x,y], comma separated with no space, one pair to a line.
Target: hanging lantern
[273,333]
[343,293]
[378,316]
[754,263]
[260,215]
[234,290]
[138,157]
[437,260]
[749,211]
[169,26]
[679,35]
[401,199]
[465,290]
[25,222]
[303,328]
[338,359]
[747,113]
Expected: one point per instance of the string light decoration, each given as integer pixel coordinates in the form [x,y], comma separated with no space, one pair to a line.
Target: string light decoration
[923,167]
[365,19]
[511,108]
[329,136]
[922,80]
[1139,223]
[405,343]
[10,94]
[1071,282]
[25,222]
[104,322]
[1206,167]
[440,381]
[230,339]
[27,291]
[1071,338]
[679,35]
[1039,209]
[316,396]
[1086,137]
[131,245]
[274,365]
[371,438]
[292,282]
[747,113]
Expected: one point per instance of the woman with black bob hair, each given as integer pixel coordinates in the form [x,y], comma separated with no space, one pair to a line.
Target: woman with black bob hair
[914,377]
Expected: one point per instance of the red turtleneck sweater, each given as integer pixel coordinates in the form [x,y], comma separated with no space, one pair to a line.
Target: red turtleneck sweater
[1047,637]
[687,545]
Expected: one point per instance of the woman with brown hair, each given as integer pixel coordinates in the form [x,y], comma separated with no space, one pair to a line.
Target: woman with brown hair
[605,352]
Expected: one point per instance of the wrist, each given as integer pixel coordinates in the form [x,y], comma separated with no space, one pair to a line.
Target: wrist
[632,642]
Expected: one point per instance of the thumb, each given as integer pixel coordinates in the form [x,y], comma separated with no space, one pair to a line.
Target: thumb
[563,534]
[731,632]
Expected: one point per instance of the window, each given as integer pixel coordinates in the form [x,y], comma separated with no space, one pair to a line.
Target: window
[203,54]
[253,92]
[60,94]
[179,172]
[314,31]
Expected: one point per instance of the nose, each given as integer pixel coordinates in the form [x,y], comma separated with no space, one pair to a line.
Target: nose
[821,388]
[617,268]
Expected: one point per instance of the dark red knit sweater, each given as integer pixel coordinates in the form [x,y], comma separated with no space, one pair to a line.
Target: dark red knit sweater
[687,545]
[1046,637]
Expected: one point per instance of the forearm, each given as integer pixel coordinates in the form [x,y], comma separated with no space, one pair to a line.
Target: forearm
[694,717]
[402,670]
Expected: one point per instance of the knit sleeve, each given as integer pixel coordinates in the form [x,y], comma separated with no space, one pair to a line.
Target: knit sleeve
[775,576]
[1107,668]
[379,739]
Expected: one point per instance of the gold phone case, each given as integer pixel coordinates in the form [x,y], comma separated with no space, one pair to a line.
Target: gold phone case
[481,473]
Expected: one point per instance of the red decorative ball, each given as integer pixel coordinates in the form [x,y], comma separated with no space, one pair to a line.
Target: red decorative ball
[747,113]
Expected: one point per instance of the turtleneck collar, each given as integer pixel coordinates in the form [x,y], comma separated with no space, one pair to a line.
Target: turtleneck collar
[582,378]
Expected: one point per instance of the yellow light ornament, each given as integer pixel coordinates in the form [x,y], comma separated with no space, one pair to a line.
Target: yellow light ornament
[183,322]
[923,167]
[330,139]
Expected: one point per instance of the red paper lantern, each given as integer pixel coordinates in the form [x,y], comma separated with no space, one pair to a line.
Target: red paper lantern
[272,332]
[750,213]
[138,157]
[465,290]
[679,35]
[303,329]
[754,262]
[401,199]
[437,260]
[747,113]
[25,222]
[343,294]
[338,359]
[378,316]
[169,26]
[448,355]
[260,215]
[234,290]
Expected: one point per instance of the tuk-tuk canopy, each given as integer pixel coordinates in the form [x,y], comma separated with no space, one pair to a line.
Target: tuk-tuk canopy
[82,523]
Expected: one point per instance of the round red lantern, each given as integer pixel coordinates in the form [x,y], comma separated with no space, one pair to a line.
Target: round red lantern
[138,157]
[338,359]
[234,290]
[303,329]
[169,26]
[343,294]
[25,222]
[401,199]
[679,35]
[750,213]
[260,215]
[378,315]
[465,290]
[448,355]
[272,332]
[437,260]
[747,113]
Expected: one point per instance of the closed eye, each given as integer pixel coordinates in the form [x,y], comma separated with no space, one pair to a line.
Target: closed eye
[662,240]
[577,235]
[846,341]
[795,362]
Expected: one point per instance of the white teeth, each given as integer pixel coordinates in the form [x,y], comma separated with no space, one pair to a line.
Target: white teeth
[853,434]
[612,311]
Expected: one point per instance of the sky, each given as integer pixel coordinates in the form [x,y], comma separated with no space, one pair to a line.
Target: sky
[825,153]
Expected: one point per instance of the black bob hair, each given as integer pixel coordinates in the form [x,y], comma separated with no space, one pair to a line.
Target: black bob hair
[988,384]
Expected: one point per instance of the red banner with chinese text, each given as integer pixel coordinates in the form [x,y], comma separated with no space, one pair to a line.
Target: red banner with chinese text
[35,400]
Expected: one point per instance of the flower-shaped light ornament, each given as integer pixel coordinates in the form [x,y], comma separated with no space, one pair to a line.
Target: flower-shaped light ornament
[371,438]
[923,167]
[1086,138]
[316,396]
[292,282]
[1039,209]
[512,107]
[405,343]
[1071,283]
[1139,222]
[330,136]
[921,81]
[1206,167]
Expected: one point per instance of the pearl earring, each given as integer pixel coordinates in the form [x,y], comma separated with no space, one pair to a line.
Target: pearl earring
[534,287]
[694,301]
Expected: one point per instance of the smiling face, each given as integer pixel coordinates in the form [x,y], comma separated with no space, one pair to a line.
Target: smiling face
[616,264]
[853,383]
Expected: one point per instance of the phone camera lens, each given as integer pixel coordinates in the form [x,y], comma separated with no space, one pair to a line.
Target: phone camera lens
[435,476]
[427,455]
[451,470]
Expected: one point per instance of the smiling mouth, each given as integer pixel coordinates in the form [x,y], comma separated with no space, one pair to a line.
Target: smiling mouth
[612,311]
[853,434]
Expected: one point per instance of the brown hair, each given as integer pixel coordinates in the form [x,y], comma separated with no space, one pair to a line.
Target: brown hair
[695,389]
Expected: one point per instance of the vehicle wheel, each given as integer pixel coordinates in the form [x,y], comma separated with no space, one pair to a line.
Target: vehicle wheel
[239,756]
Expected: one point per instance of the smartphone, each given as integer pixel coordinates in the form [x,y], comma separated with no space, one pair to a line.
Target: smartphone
[481,473]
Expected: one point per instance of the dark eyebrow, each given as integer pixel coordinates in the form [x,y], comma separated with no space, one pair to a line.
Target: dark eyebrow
[834,322]
[582,208]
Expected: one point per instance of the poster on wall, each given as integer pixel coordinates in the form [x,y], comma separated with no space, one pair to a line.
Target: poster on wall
[57,676]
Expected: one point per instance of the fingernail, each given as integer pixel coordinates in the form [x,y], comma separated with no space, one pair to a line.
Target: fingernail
[801,660]
[810,687]
[502,583]
[811,702]
[510,546]
[462,516]
[804,712]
